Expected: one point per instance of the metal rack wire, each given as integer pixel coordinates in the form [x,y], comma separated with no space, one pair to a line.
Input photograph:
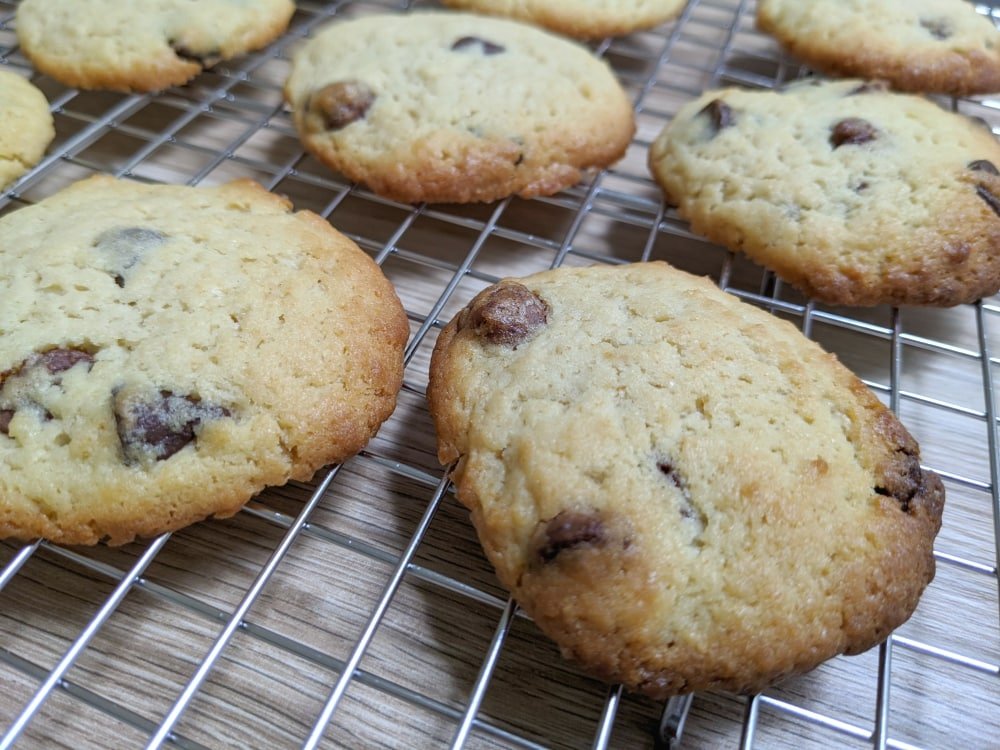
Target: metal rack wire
[357,610]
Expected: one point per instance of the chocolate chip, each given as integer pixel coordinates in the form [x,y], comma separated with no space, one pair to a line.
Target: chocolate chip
[39,366]
[990,199]
[669,471]
[982,165]
[60,360]
[902,479]
[939,28]
[121,248]
[24,386]
[869,87]
[157,425]
[569,529]
[338,105]
[852,131]
[719,114]
[860,187]
[205,59]
[687,507]
[900,475]
[507,314]
[474,43]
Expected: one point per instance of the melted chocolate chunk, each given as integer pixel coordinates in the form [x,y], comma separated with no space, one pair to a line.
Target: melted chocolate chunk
[204,59]
[852,131]
[339,104]
[983,165]
[24,386]
[38,367]
[989,198]
[507,315]
[668,469]
[939,28]
[156,426]
[901,476]
[687,508]
[569,529]
[60,360]
[475,43]
[869,87]
[122,247]
[902,479]
[719,114]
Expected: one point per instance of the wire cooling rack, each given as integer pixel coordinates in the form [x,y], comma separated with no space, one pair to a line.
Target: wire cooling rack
[357,610]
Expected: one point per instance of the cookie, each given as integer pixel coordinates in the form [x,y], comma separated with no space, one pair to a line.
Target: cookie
[932,46]
[26,127]
[167,352]
[587,19]
[682,491]
[855,195]
[143,45]
[455,108]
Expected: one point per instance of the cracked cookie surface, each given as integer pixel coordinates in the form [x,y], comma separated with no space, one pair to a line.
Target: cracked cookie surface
[854,194]
[143,45]
[454,107]
[930,46]
[587,19]
[681,490]
[167,352]
[26,127]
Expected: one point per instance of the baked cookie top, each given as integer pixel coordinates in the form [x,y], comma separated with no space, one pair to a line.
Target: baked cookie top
[853,194]
[587,19]
[142,45]
[454,107]
[26,127]
[932,46]
[683,491]
[167,352]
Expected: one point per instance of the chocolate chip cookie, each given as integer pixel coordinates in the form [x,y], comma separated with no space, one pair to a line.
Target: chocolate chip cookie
[683,491]
[586,19]
[26,127]
[453,107]
[167,352]
[932,46]
[855,195]
[143,45]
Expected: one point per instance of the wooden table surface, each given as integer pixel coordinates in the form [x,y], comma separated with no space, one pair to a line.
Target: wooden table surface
[234,633]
